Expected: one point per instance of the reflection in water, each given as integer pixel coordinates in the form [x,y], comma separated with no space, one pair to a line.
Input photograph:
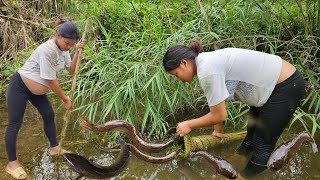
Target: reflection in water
[187,171]
[43,166]
[33,152]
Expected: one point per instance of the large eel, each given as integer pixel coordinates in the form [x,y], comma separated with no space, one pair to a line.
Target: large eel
[146,157]
[281,156]
[222,166]
[86,168]
[129,129]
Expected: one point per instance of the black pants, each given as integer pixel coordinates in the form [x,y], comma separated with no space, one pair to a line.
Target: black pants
[17,97]
[269,121]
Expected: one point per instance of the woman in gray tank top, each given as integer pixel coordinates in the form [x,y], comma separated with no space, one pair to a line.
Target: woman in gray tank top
[31,83]
[271,86]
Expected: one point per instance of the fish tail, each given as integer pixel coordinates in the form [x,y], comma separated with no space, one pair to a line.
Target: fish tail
[314,146]
[121,141]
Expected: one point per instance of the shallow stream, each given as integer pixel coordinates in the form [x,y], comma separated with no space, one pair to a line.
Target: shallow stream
[33,153]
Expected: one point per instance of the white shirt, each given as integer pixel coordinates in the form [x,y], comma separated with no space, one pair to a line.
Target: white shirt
[238,74]
[45,62]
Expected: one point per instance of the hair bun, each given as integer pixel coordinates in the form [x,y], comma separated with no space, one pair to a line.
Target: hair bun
[59,21]
[196,46]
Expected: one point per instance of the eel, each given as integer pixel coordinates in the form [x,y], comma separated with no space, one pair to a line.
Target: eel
[281,156]
[222,166]
[86,168]
[191,146]
[129,129]
[145,157]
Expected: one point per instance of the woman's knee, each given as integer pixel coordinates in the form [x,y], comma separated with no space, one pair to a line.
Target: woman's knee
[48,114]
[14,126]
[263,145]
[11,133]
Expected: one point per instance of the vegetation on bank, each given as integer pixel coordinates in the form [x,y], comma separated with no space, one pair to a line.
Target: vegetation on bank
[121,76]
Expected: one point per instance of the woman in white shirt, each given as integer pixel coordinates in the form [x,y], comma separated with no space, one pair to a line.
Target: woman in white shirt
[31,83]
[271,86]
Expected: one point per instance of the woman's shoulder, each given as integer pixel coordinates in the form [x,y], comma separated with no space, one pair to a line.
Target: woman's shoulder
[47,47]
[213,62]
[47,50]
[217,54]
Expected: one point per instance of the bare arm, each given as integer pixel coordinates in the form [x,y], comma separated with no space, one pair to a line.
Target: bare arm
[55,87]
[215,117]
[72,68]
[218,128]
[75,56]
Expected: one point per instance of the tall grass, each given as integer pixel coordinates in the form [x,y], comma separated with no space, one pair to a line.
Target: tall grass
[122,76]
[130,84]
[126,79]
[23,26]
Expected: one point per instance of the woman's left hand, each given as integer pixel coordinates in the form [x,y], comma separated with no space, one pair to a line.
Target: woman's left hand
[80,44]
[218,135]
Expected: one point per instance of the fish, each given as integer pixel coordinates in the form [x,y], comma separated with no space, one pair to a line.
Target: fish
[222,166]
[285,152]
[87,168]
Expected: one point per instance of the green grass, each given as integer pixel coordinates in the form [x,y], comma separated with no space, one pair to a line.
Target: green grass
[121,76]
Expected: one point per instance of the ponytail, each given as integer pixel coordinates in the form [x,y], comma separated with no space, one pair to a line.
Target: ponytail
[59,21]
[196,46]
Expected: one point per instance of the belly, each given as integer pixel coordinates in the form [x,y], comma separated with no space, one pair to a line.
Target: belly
[34,87]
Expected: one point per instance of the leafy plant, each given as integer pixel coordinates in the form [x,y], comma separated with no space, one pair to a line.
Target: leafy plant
[121,76]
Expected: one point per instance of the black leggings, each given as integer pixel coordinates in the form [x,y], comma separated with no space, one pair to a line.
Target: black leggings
[269,121]
[17,97]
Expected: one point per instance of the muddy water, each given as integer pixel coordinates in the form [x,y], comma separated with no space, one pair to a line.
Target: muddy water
[33,152]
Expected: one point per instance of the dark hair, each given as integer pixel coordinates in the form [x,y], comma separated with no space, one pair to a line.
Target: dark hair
[172,58]
[67,29]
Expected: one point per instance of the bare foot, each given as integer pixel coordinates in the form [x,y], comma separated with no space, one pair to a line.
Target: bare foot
[56,151]
[13,164]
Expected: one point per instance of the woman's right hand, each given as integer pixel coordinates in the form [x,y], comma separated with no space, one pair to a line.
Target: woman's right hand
[67,104]
[183,128]
[80,44]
